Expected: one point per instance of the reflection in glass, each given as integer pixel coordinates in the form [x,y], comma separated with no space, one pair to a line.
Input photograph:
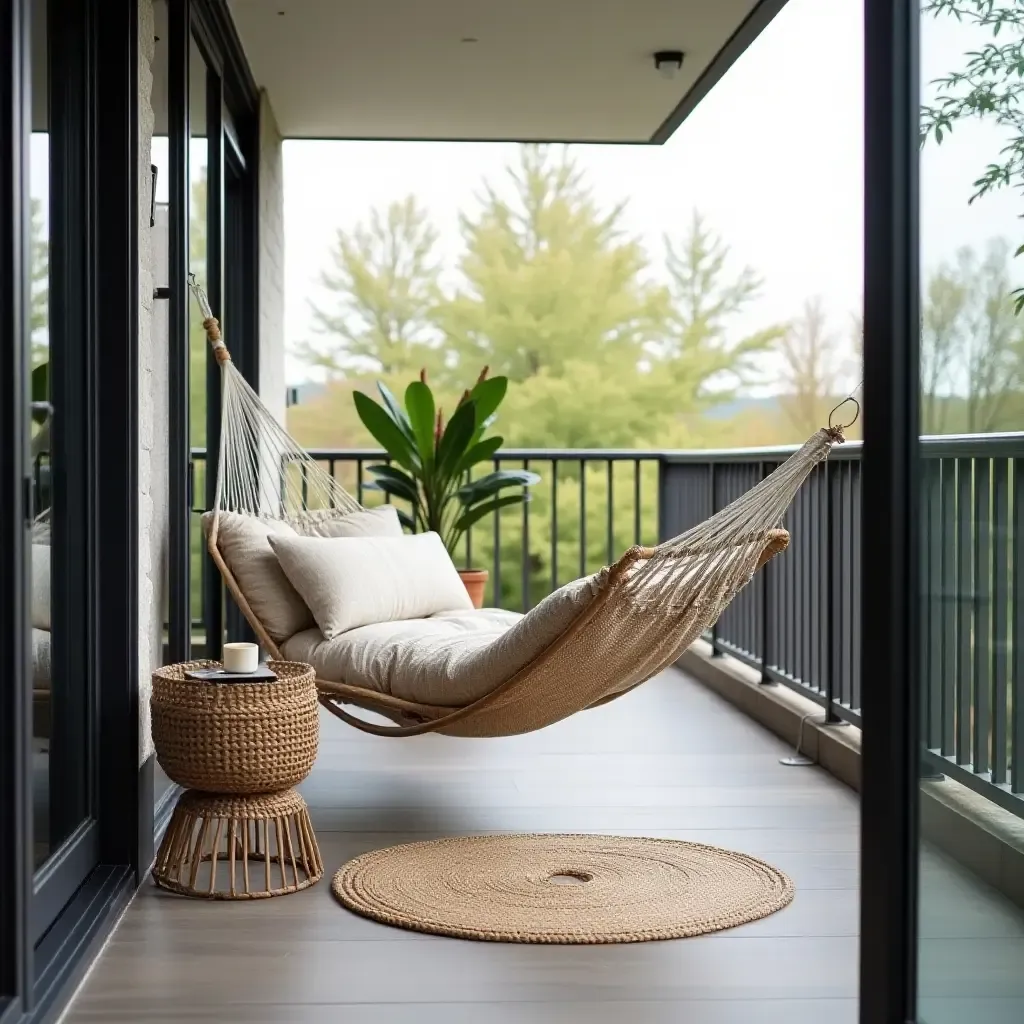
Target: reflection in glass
[971,946]
[44,837]
[198,156]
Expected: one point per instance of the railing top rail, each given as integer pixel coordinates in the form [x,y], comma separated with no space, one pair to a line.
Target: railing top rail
[1002,445]
[505,454]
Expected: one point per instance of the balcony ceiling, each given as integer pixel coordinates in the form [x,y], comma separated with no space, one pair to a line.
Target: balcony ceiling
[539,70]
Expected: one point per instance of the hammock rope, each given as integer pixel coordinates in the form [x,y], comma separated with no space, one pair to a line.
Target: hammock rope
[651,604]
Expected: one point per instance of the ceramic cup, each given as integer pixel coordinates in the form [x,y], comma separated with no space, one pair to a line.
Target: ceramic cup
[241,657]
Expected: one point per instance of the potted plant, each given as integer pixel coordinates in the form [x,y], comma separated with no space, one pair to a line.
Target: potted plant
[432,462]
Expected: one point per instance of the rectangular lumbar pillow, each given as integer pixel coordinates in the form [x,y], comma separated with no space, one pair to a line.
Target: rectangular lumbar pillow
[356,581]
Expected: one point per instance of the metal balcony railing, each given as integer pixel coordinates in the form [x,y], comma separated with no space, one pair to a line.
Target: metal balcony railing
[799,622]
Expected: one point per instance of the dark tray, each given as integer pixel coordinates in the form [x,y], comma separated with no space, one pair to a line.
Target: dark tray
[218,675]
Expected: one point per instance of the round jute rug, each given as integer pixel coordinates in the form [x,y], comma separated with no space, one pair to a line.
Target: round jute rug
[561,888]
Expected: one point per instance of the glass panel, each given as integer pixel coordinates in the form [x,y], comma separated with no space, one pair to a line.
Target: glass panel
[59,734]
[198,167]
[971,946]
[39,187]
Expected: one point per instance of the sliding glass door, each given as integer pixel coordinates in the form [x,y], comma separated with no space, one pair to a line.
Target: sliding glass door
[65,831]
[970,921]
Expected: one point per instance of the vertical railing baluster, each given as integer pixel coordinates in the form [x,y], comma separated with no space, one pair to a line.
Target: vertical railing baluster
[469,532]
[933,663]
[712,475]
[304,469]
[1016,744]
[526,543]
[833,557]
[767,573]
[497,551]
[846,622]
[856,541]
[983,619]
[583,517]
[964,607]
[554,525]
[1000,615]
[947,670]
[331,471]
[359,481]
[636,502]
[611,512]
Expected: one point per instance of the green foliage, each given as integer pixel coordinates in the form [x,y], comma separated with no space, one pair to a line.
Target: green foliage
[435,458]
[385,288]
[989,87]
[546,274]
[695,348]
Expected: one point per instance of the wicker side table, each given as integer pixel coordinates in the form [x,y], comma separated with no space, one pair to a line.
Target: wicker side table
[240,831]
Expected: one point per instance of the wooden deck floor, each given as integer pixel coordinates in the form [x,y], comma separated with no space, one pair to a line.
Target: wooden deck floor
[669,760]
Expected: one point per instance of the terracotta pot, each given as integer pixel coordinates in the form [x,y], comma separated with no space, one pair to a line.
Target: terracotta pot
[475,582]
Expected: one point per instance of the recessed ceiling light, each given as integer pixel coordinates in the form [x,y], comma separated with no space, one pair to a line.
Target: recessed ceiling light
[668,62]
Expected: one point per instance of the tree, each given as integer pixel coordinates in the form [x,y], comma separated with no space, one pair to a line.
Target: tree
[972,344]
[990,87]
[942,315]
[696,348]
[812,369]
[384,288]
[548,277]
[993,349]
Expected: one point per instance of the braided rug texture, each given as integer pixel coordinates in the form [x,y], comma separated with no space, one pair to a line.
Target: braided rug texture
[561,888]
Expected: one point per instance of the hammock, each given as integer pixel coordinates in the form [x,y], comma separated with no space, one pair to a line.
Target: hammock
[646,609]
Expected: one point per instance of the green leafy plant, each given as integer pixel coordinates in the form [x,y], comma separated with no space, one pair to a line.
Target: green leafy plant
[432,461]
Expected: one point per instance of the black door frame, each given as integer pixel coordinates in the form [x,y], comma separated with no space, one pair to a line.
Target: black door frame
[233,276]
[890,588]
[98,131]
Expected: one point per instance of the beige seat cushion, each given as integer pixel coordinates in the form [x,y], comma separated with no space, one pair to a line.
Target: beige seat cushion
[450,659]
[244,545]
[41,586]
[40,659]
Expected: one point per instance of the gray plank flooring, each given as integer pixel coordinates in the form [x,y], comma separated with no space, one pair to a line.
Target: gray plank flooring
[669,760]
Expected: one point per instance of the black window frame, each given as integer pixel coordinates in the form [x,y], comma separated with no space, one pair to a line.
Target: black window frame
[233,133]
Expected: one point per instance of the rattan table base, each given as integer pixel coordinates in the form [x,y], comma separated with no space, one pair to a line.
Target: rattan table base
[238,847]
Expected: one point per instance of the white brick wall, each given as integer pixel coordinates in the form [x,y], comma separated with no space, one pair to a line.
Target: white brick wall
[270,232]
[152,399]
[153,354]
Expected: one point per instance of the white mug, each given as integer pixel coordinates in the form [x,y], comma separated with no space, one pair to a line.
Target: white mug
[241,657]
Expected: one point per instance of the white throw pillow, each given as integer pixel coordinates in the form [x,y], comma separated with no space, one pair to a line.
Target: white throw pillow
[355,581]
[41,586]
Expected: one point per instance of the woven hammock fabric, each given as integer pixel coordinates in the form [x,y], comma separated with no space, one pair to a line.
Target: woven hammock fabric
[652,604]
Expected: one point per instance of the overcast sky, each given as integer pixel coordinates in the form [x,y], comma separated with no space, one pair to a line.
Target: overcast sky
[772,158]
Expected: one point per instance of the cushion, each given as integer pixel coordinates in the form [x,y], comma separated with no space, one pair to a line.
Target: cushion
[244,545]
[353,581]
[41,586]
[40,659]
[448,660]
[369,522]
